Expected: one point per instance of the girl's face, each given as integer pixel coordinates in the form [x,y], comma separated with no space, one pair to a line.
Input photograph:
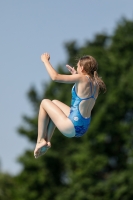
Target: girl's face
[79,68]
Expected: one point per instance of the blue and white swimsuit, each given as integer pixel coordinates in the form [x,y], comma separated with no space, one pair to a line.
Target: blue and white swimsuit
[80,123]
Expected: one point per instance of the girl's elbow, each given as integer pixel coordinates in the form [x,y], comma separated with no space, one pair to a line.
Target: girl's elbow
[55,77]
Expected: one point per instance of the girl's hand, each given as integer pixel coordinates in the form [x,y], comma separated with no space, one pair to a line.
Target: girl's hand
[71,69]
[45,57]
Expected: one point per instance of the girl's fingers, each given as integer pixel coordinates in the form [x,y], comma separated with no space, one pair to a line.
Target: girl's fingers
[69,67]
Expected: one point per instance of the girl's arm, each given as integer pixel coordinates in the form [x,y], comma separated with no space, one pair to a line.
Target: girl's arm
[58,77]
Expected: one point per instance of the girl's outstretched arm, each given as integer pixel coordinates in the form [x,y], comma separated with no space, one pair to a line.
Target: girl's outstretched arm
[45,59]
[59,77]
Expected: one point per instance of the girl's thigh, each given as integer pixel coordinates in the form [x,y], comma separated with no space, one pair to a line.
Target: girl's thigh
[59,118]
[62,106]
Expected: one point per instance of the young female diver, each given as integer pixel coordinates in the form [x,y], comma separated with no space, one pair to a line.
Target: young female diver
[71,121]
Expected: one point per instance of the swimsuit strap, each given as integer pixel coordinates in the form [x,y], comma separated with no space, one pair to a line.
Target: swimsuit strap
[91,87]
[92,95]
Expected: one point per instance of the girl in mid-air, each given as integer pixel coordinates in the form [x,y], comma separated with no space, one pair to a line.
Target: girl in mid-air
[71,121]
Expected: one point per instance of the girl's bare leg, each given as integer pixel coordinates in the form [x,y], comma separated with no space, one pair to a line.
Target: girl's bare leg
[43,149]
[43,120]
[47,126]
[50,131]
[51,125]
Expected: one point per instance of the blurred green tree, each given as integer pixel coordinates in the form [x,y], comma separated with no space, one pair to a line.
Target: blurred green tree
[7,187]
[99,165]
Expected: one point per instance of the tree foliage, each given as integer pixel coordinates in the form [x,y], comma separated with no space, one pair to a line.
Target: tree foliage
[98,165]
[7,187]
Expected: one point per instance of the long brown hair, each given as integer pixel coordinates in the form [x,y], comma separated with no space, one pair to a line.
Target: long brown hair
[90,66]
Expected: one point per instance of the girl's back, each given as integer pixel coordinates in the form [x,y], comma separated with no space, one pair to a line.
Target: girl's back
[87,91]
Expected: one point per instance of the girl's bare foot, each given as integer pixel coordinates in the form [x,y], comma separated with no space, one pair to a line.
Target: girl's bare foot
[48,144]
[39,147]
[43,150]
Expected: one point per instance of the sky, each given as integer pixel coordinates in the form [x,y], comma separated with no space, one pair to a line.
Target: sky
[28,29]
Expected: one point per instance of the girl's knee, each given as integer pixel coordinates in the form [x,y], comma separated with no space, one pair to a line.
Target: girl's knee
[54,101]
[44,102]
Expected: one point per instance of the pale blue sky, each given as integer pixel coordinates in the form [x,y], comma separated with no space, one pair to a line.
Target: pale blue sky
[28,29]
